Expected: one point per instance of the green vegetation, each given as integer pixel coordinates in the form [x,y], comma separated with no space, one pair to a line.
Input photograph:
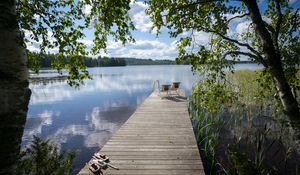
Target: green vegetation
[241,128]
[38,61]
[55,24]
[43,158]
[65,24]
[245,122]
[47,60]
[136,61]
[105,61]
[274,43]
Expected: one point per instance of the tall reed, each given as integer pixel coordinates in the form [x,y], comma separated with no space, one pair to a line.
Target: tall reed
[241,129]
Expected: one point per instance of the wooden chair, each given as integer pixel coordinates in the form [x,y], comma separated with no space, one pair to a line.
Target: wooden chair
[175,87]
[165,88]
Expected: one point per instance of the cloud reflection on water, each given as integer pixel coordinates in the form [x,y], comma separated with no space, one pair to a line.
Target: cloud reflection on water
[95,132]
[85,118]
[35,124]
[130,82]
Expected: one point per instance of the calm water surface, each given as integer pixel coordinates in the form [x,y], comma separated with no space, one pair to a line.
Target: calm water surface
[84,119]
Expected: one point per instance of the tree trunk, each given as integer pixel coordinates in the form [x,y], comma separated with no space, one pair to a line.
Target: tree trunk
[272,58]
[14,91]
[287,98]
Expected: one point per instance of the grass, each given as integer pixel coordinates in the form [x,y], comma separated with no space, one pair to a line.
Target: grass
[249,134]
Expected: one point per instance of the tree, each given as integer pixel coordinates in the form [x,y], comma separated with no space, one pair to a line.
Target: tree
[52,25]
[43,158]
[271,39]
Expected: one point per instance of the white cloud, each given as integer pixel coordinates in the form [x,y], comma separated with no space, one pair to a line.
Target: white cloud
[87,9]
[34,46]
[137,13]
[143,49]
[199,38]
[88,43]
[267,20]
[147,47]
[242,27]
[114,44]
[136,7]
[37,17]
[202,38]
[185,33]
[142,22]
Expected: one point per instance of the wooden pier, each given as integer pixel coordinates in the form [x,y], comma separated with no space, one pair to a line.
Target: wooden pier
[157,139]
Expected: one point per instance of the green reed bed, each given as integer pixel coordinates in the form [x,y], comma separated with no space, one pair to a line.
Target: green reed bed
[240,126]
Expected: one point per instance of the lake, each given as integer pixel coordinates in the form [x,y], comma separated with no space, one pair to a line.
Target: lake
[84,118]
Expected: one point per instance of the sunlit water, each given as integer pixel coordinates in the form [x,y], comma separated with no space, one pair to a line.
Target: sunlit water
[84,119]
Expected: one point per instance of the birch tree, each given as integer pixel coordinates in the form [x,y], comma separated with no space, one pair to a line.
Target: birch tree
[51,24]
[272,38]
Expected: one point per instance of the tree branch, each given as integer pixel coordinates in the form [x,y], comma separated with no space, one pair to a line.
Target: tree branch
[238,43]
[255,57]
[197,3]
[260,29]
[239,53]
[239,16]
[269,27]
[295,21]
[278,24]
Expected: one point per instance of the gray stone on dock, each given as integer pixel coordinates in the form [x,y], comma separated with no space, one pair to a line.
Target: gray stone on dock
[157,139]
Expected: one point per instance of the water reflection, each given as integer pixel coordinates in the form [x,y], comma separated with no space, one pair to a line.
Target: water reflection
[84,119]
[34,124]
[128,79]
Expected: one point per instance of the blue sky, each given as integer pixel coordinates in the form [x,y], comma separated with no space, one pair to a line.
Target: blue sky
[147,44]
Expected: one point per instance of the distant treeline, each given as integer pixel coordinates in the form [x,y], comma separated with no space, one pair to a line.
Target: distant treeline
[138,61]
[46,60]
[104,62]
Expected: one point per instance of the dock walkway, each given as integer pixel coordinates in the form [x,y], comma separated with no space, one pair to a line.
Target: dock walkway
[157,139]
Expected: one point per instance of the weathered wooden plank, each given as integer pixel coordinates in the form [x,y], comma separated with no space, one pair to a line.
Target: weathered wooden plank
[157,139]
[152,152]
[149,137]
[159,167]
[151,143]
[152,157]
[159,162]
[153,146]
[151,172]
[124,149]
